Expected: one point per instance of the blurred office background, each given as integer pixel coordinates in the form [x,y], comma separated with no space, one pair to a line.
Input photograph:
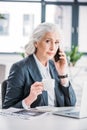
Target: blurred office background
[19,17]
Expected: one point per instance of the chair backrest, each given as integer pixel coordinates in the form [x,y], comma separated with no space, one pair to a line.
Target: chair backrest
[2,72]
[3,90]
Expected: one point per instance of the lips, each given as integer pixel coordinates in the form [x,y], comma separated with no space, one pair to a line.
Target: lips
[50,53]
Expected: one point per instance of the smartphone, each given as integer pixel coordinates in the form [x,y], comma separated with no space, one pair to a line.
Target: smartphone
[57,56]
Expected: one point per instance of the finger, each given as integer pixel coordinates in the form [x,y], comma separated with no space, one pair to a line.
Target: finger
[62,53]
[37,83]
[39,92]
[38,88]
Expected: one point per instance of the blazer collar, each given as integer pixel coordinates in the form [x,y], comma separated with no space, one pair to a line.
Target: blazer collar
[33,69]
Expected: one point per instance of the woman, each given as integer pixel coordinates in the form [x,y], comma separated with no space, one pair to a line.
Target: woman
[25,87]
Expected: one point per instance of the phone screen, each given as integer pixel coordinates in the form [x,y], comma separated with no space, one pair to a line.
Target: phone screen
[57,56]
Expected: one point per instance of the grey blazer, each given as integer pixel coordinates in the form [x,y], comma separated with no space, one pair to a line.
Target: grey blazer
[23,74]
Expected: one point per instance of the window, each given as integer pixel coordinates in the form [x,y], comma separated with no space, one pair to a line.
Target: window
[61,0]
[23,17]
[82,0]
[82,40]
[4,24]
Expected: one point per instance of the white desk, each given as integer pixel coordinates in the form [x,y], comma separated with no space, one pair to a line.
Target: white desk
[47,122]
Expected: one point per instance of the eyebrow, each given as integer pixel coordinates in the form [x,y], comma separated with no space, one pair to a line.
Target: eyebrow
[52,39]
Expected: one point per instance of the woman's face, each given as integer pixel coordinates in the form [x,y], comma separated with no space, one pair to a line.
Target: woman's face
[47,46]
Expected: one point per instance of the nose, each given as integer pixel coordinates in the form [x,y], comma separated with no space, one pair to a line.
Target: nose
[52,47]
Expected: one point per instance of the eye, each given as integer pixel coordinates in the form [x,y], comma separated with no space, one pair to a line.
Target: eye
[57,43]
[47,41]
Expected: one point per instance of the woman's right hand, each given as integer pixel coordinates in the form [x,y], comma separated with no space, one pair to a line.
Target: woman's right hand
[36,89]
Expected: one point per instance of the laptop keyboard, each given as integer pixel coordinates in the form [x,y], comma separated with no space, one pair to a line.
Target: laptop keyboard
[73,113]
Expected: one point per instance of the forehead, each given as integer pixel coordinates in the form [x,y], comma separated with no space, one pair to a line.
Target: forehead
[52,35]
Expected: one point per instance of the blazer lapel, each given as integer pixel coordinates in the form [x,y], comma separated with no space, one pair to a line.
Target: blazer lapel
[52,70]
[33,69]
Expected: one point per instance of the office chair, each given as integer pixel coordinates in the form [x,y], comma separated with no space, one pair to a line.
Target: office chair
[2,72]
[3,90]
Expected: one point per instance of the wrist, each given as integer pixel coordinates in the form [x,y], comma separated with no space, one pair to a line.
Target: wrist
[24,105]
[64,82]
[63,76]
[28,100]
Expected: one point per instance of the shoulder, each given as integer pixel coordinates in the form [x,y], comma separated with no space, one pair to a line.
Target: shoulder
[24,63]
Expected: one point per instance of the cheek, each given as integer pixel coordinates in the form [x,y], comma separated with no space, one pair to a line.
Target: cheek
[41,49]
[56,50]
[45,48]
[56,47]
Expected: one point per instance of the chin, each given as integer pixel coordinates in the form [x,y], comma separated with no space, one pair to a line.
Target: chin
[51,57]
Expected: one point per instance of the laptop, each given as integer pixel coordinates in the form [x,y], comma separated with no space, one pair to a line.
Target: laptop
[76,112]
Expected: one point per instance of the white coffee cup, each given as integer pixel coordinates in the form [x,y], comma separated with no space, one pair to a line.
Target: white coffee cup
[48,84]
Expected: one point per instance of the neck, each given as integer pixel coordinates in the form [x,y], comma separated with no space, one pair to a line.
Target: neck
[41,59]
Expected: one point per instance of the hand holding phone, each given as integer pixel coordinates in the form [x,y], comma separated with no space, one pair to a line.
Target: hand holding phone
[57,56]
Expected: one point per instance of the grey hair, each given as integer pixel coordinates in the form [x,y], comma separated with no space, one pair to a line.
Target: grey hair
[38,33]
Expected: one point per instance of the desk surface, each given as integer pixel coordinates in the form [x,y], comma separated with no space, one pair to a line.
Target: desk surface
[47,122]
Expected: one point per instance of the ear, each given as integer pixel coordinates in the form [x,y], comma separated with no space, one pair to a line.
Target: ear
[35,44]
